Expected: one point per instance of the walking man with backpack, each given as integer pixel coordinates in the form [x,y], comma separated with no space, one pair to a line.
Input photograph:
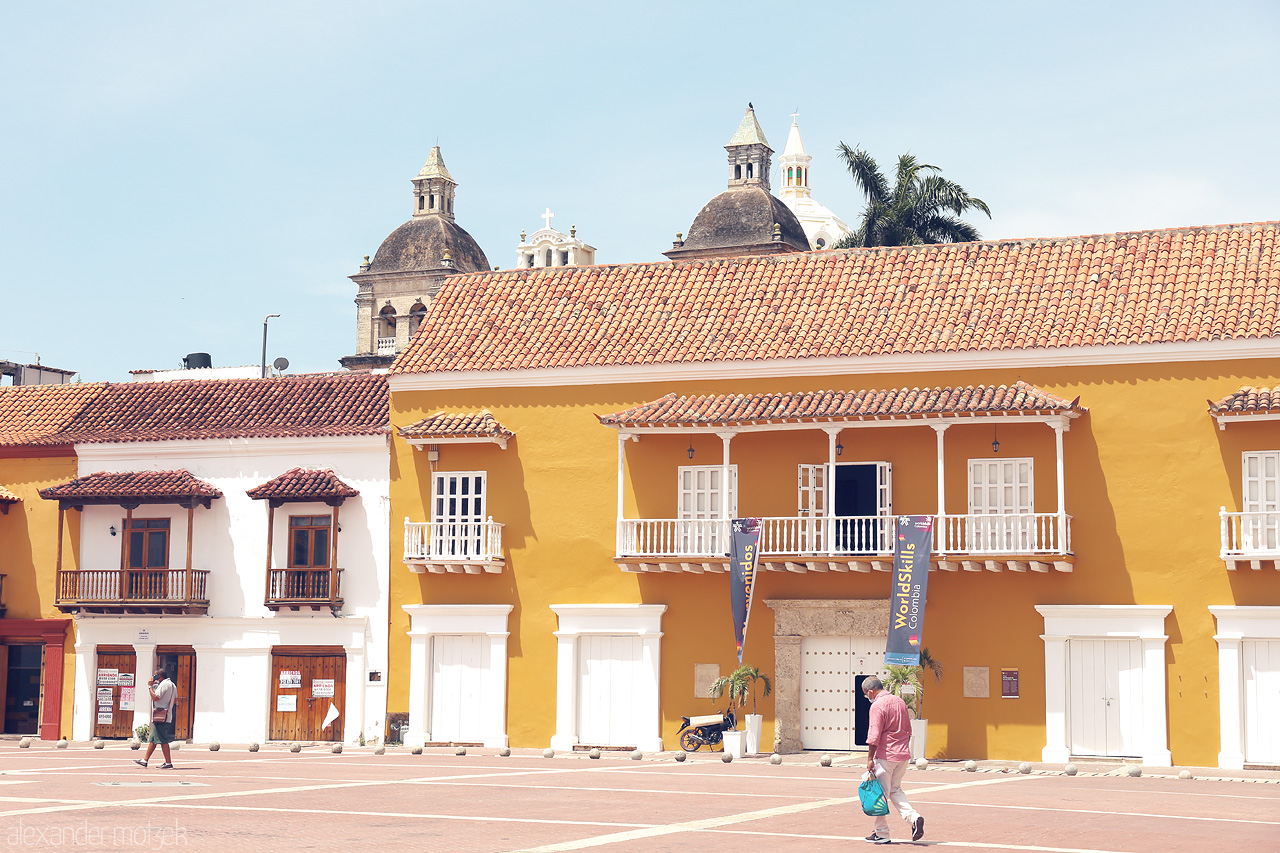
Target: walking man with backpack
[888,756]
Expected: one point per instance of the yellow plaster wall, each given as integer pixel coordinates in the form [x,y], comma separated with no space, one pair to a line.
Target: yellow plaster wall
[1147,469]
[29,548]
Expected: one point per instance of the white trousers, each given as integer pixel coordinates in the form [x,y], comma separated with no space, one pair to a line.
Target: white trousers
[890,774]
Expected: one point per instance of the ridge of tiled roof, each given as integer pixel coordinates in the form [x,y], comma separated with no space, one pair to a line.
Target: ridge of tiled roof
[31,414]
[451,425]
[1249,400]
[298,484]
[721,409]
[1165,286]
[8,497]
[277,407]
[123,485]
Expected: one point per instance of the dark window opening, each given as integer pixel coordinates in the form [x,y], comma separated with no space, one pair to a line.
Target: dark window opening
[422,202]
[750,169]
[737,171]
[433,201]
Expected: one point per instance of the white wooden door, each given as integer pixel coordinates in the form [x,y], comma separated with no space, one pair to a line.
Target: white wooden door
[1105,697]
[458,514]
[459,667]
[701,512]
[1261,493]
[1261,659]
[1003,489]
[829,670]
[811,507]
[610,676]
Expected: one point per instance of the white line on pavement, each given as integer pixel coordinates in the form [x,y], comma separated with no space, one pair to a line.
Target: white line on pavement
[1108,812]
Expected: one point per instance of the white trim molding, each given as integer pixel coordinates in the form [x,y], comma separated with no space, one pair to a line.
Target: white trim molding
[1235,625]
[1143,622]
[637,620]
[790,368]
[427,621]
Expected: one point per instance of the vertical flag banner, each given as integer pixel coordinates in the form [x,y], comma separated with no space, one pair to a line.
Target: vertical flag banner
[912,541]
[744,553]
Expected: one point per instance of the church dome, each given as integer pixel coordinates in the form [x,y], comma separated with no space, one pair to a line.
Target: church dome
[420,244]
[744,217]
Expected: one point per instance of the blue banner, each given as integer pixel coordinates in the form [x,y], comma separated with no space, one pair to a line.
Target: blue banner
[912,542]
[744,554]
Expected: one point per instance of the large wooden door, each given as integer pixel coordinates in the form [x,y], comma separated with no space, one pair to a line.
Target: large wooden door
[22,676]
[116,671]
[833,712]
[1105,696]
[179,663]
[305,682]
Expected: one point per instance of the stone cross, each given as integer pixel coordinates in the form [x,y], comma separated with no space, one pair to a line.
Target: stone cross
[547,217]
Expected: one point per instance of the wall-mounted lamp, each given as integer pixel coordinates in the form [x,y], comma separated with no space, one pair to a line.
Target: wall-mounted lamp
[690,450]
[112,529]
[995,439]
[839,449]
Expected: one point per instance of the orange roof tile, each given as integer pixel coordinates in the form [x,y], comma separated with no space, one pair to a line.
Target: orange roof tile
[8,497]
[32,413]
[125,486]
[1175,285]
[449,425]
[739,409]
[1248,401]
[303,484]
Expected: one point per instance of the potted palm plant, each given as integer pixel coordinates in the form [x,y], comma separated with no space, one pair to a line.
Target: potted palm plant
[905,682]
[740,684]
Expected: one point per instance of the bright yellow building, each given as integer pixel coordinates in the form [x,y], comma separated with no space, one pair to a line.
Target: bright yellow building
[1104,556]
[37,656]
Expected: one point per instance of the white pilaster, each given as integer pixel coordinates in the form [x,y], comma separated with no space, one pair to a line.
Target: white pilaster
[1056,750]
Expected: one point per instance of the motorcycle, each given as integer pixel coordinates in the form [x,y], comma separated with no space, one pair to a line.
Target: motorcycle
[708,729]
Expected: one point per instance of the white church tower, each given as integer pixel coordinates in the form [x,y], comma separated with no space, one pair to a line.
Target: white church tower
[821,226]
[548,247]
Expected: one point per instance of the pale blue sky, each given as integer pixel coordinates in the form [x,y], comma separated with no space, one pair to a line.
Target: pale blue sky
[172,172]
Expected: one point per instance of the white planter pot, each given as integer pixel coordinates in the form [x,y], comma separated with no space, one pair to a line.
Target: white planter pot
[755,725]
[919,738]
[735,743]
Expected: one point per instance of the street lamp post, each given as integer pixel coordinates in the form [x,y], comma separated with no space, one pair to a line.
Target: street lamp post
[264,343]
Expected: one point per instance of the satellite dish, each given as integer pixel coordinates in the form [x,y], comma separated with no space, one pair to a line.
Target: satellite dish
[281,363]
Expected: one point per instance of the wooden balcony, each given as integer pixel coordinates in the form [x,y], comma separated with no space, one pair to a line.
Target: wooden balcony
[128,591]
[1250,539]
[1038,542]
[294,589]
[458,547]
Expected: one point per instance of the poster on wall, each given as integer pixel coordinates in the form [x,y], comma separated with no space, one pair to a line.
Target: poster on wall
[104,715]
[321,687]
[287,702]
[744,541]
[912,542]
[290,679]
[125,679]
[105,696]
[108,677]
[127,698]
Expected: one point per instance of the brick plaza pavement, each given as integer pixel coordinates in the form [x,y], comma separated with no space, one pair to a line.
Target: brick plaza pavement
[273,800]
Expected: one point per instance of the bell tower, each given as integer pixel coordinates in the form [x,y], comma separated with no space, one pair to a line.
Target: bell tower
[749,154]
[433,188]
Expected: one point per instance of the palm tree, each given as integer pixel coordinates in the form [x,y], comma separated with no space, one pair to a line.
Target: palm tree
[921,206]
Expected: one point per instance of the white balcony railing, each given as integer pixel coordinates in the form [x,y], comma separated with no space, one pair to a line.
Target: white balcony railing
[1024,534]
[452,541]
[1250,534]
[387,346]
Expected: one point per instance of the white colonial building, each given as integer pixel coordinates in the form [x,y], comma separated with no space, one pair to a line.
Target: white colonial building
[548,247]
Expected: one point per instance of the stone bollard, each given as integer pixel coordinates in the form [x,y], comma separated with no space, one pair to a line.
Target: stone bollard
[25,743]
[775,759]
[637,756]
[1133,770]
[594,753]
[253,747]
[462,750]
[922,764]
[726,757]
[971,766]
[99,744]
[62,744]
[135,744]
[175,746]
[505,752]
[336,749]
[1024,768]
[215,746]
[548,753]
[825,761]
[297,747]
[417,750]
[681,756]
[1185,774]
[1071,770]
[379,750]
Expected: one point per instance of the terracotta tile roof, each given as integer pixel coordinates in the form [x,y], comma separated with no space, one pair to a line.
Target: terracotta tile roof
[1248,401]
[725,409]
[146,486]
[450,425]
[303,484]
[1177,285]
[32,413]
[284,407]
[8,497]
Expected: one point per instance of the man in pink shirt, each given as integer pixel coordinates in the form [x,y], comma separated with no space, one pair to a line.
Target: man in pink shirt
[888,754]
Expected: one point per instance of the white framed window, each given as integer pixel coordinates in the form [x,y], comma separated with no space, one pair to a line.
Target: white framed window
[1004,489]
[1260,496]
[458,506]
[700,499]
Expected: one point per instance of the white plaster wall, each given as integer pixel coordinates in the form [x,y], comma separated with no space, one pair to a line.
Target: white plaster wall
[233,641]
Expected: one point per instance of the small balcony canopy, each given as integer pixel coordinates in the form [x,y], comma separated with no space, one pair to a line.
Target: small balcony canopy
[1248,403]
[304,484]
[6,498]
[131,489]
[455,428]
[762,411]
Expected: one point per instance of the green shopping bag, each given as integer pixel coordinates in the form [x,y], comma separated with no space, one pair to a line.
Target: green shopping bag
[871,793]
